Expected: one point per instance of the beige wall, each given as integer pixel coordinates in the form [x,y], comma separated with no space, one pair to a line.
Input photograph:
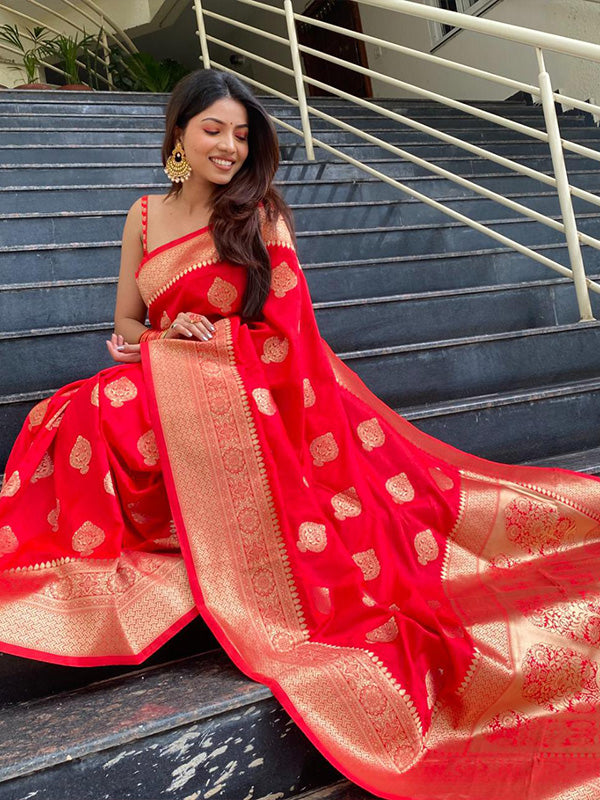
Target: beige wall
[579,19]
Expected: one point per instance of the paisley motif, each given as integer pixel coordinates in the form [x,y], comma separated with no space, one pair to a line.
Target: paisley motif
[81,455]
[8,541]
[283,279]
[120,391]
[53,516]
[426,546]
[11,486]
[37,413]
[222,295]
[275,350]
[346,504]
[368,563]
[264,401]
[322,599]
[323,449]
[44,469]
[370,434]
[109,486]
[309,393]
[94,395]
[86,538]
[165,321]
[312,536]
[384,633]
[400,488]
[148,448]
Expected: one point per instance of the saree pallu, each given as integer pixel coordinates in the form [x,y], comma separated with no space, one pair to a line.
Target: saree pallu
[429,619]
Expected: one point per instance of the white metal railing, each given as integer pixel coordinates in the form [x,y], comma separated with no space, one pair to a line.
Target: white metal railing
[89,10]
[537,40]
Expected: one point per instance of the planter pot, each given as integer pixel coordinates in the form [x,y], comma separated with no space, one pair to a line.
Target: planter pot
[77,87]
[36,86]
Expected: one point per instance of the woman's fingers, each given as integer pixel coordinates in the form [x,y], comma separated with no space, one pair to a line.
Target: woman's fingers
[130,353]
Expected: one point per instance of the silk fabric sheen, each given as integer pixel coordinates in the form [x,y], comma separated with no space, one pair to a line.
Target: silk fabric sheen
[430,619]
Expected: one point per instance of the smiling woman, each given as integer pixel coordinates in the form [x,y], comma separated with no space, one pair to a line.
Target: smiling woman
[428,618]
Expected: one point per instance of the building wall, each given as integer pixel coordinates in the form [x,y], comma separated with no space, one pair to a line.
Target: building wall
[579,19]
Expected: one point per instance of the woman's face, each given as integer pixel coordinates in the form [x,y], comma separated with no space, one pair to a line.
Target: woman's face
[219,132]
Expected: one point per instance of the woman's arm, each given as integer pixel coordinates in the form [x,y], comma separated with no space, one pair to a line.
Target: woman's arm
[130,309]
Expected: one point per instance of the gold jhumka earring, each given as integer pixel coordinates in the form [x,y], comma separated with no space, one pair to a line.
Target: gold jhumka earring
[178,167]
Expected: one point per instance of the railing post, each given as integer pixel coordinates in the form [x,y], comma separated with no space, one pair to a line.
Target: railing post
[105,48]
[300,90]
[564,191]
[197,6]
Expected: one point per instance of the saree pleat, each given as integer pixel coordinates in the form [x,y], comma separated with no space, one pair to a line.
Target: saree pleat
[430,619]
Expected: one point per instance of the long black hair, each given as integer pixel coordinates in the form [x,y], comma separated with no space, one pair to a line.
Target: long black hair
[234,206]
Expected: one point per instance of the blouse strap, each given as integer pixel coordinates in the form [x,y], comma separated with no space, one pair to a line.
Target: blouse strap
[145,224]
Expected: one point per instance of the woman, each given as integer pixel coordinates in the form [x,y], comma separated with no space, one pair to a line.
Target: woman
[427,617]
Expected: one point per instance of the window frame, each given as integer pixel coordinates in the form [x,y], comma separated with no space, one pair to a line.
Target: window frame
[477,9]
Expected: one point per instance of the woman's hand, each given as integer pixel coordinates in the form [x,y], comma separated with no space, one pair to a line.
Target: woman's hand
[191,324]
[127,354]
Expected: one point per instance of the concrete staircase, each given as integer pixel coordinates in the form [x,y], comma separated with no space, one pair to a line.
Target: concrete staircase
[472,342]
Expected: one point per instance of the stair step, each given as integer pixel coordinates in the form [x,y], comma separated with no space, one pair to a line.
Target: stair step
[325,169]
[527,426]
[66,226]
[196,725]
[340,790]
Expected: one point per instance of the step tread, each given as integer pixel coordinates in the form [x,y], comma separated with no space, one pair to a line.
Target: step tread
[123,709]
[479,402]
[341,790]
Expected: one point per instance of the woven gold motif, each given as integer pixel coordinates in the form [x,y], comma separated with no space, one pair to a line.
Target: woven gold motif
[384,633]
[275,350]
[44,469]
[322,599]
[94,395]
[8,541]
[81,455]
[346,504]
[426,546]
[400,488]
[11,486]
[165,321]
[283,279]
[222,295]
[444,481]
[87,537]
[324,448]
[56,419]
[109,486]
[312,536]
[148,448]
[557,678]
[309,393]
[120,391]
[368,600]
[264,401]
[537,526]
[53,516]
[37,413]
[368,563]
[370,433]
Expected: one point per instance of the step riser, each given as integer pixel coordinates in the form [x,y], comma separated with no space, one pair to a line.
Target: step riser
[345,328]
[524,431]
[362,190]
[312,171]
[59,121]
[350,246]
[426,376]
[65,229]
[153,135]
[130,154]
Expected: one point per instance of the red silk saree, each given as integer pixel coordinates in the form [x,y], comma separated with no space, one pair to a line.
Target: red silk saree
[430,619]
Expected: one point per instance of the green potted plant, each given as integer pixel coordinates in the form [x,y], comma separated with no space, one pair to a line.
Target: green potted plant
[141,72]
[67,49]
[31,56]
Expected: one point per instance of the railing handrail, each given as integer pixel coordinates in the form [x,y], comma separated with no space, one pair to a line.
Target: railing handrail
[501,30]
[518,34]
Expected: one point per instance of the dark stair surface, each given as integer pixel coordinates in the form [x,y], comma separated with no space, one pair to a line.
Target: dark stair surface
[469,340]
